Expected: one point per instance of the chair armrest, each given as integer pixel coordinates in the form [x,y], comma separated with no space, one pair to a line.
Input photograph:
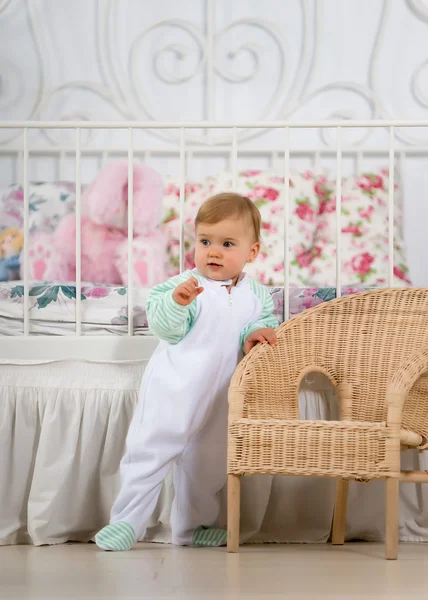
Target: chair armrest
[266,382]
[401,384]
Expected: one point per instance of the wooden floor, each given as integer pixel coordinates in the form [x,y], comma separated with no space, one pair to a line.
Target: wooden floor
[82,571]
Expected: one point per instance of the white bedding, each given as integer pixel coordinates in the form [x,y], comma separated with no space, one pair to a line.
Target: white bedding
[105,307]
[53,309]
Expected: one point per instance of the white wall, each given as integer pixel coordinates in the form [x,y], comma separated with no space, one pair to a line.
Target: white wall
[216,59]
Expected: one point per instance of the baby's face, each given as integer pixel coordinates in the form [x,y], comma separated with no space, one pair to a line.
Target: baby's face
[223,249]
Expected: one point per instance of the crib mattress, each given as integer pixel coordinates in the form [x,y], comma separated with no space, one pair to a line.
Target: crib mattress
[104,307]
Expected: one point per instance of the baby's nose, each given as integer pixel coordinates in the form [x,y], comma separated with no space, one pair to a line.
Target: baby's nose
[214,252]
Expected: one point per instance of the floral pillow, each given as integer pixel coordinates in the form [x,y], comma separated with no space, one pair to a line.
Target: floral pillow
[48,203]
[266,189]
[364,241]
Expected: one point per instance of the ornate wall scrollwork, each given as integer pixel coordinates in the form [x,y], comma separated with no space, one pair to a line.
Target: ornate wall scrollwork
[211,56]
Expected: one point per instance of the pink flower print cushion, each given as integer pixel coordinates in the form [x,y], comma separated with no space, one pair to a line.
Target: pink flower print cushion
[364,240]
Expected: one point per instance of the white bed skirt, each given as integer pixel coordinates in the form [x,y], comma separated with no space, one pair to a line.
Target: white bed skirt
[62,433]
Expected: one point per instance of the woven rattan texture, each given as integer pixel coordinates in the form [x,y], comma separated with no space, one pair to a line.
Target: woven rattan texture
[309,448]
[367,344]
[361,340]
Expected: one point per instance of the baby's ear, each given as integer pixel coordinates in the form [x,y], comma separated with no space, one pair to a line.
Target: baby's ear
[254,252]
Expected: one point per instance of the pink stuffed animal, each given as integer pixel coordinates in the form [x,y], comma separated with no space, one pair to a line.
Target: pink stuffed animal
[104,239]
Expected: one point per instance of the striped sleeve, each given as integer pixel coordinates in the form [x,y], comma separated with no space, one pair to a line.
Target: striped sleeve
[266,318]
[168,320]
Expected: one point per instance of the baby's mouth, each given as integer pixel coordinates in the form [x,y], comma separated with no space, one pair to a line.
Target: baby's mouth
[214,265]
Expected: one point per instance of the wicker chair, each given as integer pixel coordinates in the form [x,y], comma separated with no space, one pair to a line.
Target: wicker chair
[373,347]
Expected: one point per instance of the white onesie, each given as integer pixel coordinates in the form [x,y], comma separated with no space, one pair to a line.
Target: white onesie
[181,417]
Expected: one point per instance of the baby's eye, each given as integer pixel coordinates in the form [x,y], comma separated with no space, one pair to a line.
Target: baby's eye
[205,242]
[228,244]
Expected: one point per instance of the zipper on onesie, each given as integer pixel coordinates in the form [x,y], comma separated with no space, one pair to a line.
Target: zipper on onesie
[229,293]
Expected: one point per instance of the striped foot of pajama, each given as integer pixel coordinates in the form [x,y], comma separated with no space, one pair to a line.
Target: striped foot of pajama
[117,536]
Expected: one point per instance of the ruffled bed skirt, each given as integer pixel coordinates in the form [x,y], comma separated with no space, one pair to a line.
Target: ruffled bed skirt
[62,434]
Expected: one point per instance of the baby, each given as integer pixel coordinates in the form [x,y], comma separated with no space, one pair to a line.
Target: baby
[204,318]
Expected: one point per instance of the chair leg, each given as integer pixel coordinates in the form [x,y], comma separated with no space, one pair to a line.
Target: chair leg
[391,525]
[339,519]
[233,512]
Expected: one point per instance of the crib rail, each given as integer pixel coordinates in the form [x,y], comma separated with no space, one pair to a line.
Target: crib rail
[185,151]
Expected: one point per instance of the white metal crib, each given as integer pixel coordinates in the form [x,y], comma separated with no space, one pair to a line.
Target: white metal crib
[28,347]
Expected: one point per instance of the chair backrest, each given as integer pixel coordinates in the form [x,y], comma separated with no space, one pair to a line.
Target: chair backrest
[358,341]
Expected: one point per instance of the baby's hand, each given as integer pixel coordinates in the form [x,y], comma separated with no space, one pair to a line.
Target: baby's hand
[186,292]
[261,336]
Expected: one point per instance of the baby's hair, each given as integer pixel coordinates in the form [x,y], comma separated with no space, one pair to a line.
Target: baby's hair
[228,206]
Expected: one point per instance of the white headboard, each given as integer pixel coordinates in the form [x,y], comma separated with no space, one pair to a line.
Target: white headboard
[219,60]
